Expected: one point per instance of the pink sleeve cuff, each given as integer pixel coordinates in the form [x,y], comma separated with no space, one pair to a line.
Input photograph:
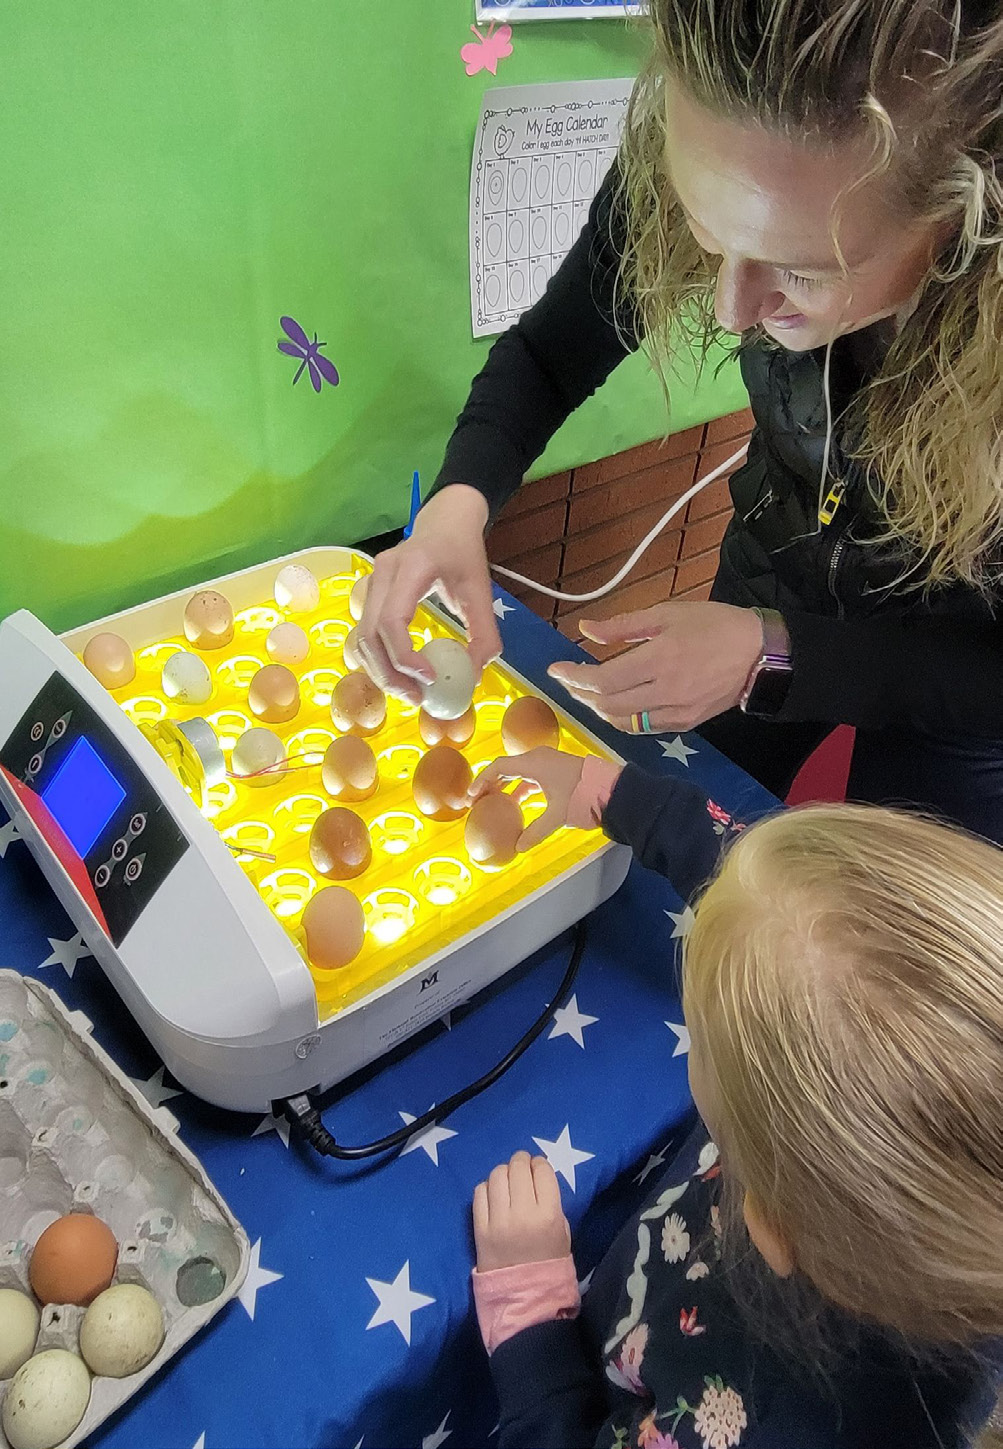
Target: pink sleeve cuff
[511,1299]
[591,794]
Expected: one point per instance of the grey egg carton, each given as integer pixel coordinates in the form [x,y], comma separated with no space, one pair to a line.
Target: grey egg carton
[77,1136]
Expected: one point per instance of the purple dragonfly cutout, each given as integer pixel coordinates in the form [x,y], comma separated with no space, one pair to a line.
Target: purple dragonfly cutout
[322,369]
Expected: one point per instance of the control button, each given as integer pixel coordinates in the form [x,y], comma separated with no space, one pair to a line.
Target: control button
[102,876]
[137,824]
[134,869]
[37,730]
[35,764]
[58,729]
[120,849]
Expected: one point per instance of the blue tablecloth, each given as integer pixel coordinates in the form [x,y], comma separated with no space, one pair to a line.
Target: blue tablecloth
[355,1325]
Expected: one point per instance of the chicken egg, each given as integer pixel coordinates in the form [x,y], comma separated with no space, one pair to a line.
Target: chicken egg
[296,589]
[491,831]
[527,724]
[287,644]
[350,650]
[110,659]
[452,690]
[441,780]
[357,598]
[208,620]
[255,754]
[19,1320]
[358,705]
[46,1399]
[458,731]
[73,1261]
[340,848]
[121,1331]
[186,679]
[274,694]
[334,925]
[349,771]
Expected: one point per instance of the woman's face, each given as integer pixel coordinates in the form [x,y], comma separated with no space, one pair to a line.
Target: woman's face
[764,205]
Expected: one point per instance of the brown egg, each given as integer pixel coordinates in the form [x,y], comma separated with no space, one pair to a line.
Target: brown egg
[492,829]
[334,924]
[357,598]
[349,771]
[208,620]
[529,723]
[350,650]
[274,694]
[73,1261]
[358,704]
[447,731]
[340,848]
[441,780]
[110,660]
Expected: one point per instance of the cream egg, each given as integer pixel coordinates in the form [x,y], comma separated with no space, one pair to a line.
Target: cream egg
[186,679]
[255,756]
[19,1319]
[351,652]
[46,1399]
[111,660]
[121,1331]
[357,598]
[452,690]
[287,644]
[296,589]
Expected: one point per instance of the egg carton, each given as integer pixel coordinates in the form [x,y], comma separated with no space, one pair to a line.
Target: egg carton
[77,1136]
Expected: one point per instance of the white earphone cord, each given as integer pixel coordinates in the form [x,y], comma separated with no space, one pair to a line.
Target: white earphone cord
[642,547]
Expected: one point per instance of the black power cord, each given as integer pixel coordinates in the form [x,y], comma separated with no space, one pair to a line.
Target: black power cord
[304,1117]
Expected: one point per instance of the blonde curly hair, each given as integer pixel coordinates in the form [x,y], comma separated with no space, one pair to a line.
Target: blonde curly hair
[923,80]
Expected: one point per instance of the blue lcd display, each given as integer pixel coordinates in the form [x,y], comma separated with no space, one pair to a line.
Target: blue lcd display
[82,796]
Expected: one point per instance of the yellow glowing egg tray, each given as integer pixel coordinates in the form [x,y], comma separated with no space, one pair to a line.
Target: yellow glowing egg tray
[422,889]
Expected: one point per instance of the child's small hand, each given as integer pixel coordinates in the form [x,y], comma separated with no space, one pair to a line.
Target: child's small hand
[518,1216]
[555,773]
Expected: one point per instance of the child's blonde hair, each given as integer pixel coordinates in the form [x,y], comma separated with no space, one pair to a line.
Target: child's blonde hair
[843,984]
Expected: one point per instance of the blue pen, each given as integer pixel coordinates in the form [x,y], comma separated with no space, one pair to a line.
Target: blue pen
[415,504]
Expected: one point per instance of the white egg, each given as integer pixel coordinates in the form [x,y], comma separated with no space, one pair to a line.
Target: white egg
[296,589]
[186,679]
[46,1399]
[287,644]
[122,1330]
[451,692]
[18,1330]
[257,750]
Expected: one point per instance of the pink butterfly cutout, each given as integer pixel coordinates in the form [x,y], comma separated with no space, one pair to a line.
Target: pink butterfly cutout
[487,50]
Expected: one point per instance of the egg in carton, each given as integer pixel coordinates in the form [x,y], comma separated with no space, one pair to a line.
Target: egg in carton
[77,1137]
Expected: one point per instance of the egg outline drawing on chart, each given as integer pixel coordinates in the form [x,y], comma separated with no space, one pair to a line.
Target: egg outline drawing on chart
[493,238]
[516,234]
[564,179]
[518,184]
[542,182]
[493,291]
[518,285]
[540,233]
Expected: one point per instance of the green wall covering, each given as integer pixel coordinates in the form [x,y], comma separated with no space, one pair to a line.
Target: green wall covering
[177,176]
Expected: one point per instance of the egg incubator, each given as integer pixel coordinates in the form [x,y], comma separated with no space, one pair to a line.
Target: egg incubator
[190,888]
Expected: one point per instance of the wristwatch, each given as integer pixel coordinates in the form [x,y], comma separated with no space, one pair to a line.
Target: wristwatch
[768,684]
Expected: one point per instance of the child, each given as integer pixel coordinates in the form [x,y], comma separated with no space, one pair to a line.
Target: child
[834,1280]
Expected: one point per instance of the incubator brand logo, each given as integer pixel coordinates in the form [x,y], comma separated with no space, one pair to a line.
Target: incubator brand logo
[427,981]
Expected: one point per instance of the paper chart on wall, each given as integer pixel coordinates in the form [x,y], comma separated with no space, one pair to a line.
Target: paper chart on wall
[510,10]
[540,154]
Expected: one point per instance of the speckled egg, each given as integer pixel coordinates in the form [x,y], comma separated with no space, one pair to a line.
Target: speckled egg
[358,705]
[208,620]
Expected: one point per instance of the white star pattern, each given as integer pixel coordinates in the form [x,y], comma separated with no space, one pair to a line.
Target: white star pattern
[271,1123]
[200,1441]
[439,1436]
[569,1021]
[501,608]
[683,1044]
[682,923]
[257,1278]
[562,1157]
[8,834]
[397,1302]
[153,1088]
[428,1139]
[677,749]
[655,1160]
[66,953]
[584,1284]
[447,1020]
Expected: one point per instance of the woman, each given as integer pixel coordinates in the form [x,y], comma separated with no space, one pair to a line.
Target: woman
[819,179]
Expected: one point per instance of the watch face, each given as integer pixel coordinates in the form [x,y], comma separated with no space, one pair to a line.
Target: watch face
[769,691]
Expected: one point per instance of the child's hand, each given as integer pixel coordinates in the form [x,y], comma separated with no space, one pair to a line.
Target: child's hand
[555,773]
[518,1216]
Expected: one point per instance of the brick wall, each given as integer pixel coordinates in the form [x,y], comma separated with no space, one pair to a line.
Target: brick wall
[572,531]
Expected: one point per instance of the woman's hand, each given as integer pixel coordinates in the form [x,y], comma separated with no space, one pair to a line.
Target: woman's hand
[446,553]
[551,771]
[518,1216]
[692,663]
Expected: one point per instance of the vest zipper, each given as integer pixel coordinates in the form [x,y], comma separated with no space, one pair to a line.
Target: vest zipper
[836,555]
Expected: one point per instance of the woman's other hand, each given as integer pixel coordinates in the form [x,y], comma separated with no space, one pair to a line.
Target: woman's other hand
[692,662]
[445,553]
[518,1216]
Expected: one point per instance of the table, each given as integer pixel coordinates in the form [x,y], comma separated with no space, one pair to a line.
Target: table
[355,1325]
